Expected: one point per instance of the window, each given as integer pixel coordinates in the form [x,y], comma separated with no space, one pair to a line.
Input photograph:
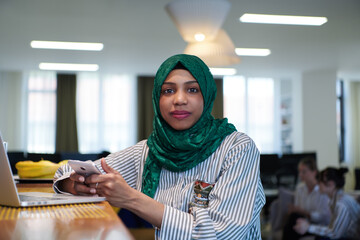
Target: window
[340,118]
[249,105]
[41,112]
[105,112]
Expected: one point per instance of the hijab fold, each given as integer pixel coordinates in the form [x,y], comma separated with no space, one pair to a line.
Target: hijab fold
[175,150]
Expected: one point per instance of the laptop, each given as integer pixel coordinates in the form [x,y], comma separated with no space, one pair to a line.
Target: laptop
[9,196]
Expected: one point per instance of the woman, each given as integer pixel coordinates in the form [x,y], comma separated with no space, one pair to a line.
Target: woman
[309,202]
[344,223]
[195,176]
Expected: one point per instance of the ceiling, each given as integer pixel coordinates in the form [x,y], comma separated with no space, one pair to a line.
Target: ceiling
[138,35]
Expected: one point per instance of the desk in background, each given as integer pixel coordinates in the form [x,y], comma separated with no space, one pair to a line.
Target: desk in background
[73,221]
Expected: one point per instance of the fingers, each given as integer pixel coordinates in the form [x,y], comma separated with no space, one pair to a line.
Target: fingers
[106,167]
[82,185]
[82,189]
[95,178]
[93,182]
[77,177]
[93,185]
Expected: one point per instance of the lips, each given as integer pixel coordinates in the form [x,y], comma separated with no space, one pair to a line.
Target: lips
[180,114]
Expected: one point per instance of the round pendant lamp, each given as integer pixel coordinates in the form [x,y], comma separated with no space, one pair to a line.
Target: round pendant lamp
[198,20]
[216,53]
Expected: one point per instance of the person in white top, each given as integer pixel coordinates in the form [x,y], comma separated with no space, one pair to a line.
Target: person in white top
[309,202]
[195,177]
[345,218]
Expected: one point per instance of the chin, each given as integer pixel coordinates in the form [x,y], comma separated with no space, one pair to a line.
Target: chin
[181,127]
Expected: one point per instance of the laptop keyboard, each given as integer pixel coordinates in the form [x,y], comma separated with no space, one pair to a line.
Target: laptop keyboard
[25,198]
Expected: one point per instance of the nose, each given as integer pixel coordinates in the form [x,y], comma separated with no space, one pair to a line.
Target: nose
[180,98]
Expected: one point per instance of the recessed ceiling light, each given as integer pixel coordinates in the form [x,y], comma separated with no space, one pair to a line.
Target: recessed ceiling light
[68,67]
[259,52]
[85,46]
[282,19]
[223,71]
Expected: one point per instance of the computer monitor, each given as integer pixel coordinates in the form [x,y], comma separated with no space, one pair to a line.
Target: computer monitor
[287,173]
[293,159]
[269,164]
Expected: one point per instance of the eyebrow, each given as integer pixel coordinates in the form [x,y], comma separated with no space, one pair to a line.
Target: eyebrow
[172,83]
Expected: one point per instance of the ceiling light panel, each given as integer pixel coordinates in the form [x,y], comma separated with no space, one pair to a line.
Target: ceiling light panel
[69,67]
[257,52]
[282,19]
[83,46]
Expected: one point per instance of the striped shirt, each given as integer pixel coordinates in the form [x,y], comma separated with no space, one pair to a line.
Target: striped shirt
[314,202]
[345,219]
[235,201]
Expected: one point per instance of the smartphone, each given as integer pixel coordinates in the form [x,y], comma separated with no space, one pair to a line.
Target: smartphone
[85,168]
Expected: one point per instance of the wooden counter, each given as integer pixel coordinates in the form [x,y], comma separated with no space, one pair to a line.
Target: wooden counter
[73,221]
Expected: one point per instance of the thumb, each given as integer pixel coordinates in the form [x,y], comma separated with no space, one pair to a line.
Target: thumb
[106,167]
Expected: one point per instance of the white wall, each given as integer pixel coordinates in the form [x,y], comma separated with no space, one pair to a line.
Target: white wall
[11,113]
[297,114]
[319,116]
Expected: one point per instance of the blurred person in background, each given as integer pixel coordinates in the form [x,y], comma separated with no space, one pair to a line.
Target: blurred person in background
[309,202]
[344,223]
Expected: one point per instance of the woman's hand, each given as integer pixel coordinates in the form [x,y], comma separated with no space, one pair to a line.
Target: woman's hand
[77,185]
[301,226]
[110,185]
[114,187]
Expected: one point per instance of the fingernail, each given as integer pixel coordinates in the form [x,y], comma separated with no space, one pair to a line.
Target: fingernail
[81,179]
[93,190]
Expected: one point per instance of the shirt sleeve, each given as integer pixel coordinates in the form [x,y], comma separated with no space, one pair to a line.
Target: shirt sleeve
[297,195]
[322,214]
[338,226]
[234,207]
[127,162]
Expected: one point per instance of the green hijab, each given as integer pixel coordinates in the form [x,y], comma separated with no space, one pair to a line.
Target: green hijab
[175,150]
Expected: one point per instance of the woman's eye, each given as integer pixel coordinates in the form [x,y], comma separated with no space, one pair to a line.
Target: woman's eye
[193,90]
[167,91]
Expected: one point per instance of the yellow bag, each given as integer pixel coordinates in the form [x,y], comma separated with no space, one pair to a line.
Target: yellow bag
[40,169]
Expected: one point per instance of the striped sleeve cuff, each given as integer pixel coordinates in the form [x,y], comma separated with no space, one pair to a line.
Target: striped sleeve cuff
[62,173]
[56,183]
[312,229]
[176,224]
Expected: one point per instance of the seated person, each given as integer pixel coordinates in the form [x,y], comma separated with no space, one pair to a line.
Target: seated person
[344,222]
[309,202]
